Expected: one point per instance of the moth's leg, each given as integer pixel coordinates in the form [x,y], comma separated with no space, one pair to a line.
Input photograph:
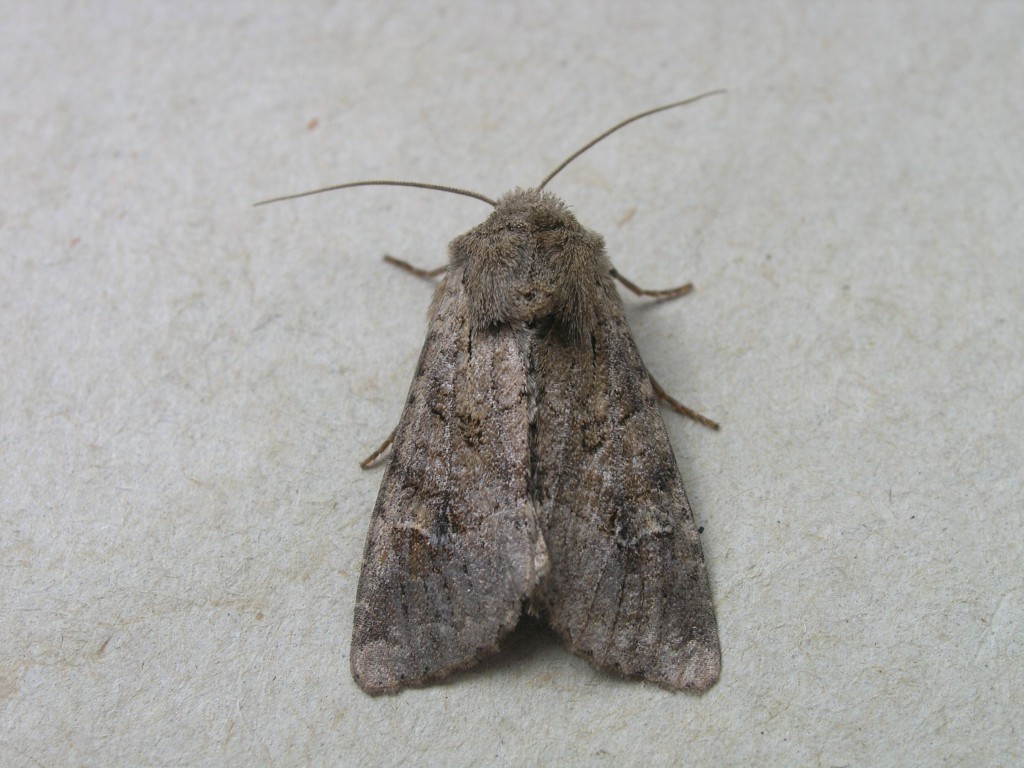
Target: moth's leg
[426,274]
[668,293]
[681,409]
[370,460]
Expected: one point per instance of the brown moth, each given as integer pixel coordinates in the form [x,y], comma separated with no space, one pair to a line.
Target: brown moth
[531,468]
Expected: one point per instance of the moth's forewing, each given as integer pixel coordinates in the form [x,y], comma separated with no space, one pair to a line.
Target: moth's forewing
[628,588]
[453,547]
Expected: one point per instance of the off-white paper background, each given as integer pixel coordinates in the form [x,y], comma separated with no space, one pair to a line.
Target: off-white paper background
[188,383]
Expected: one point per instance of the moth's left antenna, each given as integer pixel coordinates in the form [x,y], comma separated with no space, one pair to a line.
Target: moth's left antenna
[386,183]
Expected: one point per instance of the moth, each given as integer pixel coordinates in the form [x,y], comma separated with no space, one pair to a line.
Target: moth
[531,470]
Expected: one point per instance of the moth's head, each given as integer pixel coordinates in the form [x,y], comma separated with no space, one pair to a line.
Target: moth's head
[530,260]
[529,210]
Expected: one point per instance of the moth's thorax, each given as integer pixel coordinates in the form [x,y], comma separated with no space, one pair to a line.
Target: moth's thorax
[531,261]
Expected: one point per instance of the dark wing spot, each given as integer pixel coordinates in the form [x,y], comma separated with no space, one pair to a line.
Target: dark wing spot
[663,476]
[442,528]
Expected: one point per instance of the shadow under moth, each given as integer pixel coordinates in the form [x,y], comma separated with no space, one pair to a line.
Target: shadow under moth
[531,469]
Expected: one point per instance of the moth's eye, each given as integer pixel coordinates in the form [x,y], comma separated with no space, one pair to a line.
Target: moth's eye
[544,223]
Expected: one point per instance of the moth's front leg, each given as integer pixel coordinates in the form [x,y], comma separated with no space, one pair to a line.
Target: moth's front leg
[668,293]
[426,274]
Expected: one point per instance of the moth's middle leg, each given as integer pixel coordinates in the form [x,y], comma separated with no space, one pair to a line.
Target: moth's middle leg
[679,408]
[370,460]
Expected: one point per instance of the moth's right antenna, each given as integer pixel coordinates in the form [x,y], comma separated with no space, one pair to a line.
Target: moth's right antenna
[623,124]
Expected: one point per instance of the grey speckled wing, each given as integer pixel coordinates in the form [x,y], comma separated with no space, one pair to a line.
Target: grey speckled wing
[628,589]
[454,547]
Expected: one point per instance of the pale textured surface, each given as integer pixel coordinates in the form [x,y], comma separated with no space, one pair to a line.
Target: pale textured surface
[188,384]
